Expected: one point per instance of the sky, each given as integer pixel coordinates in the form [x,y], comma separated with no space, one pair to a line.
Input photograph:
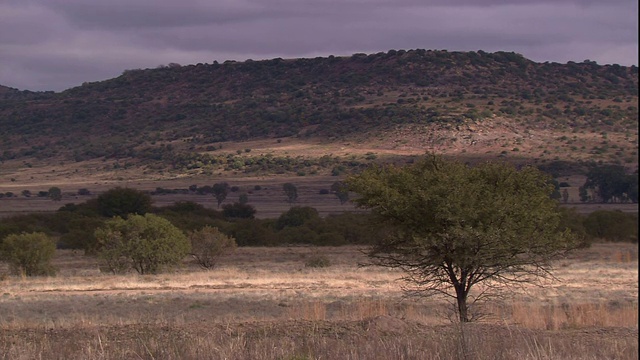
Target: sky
[59,44]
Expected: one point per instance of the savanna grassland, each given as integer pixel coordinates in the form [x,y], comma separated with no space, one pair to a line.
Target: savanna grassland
[311,122]
[272,303]
[314,121]
[320,116]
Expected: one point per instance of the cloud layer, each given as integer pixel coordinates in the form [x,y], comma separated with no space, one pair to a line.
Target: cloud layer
[58,44]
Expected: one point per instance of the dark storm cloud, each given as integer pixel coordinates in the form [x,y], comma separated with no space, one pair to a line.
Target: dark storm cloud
[56,44]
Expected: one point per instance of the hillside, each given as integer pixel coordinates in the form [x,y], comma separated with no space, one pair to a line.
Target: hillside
[262,116]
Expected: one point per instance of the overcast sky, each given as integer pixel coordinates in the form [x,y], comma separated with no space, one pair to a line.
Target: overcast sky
[58,44]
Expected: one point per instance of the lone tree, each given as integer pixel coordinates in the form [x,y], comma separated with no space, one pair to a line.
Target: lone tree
[146,243]
[457,226]
[220,191]
[208,244]
[55,193]
[341,190]
[291,191]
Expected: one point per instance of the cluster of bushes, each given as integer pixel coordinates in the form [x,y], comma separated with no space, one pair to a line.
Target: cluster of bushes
[123,228]
[266,163]
[601,225]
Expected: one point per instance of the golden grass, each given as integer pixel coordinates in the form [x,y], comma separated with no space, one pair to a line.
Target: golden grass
[263,303]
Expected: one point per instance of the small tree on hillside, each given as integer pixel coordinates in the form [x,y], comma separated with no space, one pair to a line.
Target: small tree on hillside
[209,244]
[146,243]
[220,191]
[55,193]
[28,253]
[459,226]
[291,191]
[341,190]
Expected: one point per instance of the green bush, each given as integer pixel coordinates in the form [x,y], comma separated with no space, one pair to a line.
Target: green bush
[238,210]
[572,220]
[254,232]
[190,216]
[81,234]
[146,243]
[28,253]
[296,216]
[123,201]
[612,225]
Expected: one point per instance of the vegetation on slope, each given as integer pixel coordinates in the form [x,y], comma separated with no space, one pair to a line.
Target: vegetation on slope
[165,114]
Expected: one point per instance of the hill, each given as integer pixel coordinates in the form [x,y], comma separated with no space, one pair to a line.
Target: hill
[327,114]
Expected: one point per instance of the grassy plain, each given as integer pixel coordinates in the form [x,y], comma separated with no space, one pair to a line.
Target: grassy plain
[264,303]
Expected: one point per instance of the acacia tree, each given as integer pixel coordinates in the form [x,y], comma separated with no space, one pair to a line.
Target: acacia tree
[457,226]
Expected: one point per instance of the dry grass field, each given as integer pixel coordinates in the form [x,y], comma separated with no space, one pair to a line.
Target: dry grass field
[264,303]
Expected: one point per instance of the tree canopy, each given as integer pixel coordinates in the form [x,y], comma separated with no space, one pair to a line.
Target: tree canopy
[145,243]
[291,191]
[610,183]
[220,191]
[121,202]
[28,253]
[457,226]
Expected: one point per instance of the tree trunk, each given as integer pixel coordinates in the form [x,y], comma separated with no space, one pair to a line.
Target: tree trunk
[461,297]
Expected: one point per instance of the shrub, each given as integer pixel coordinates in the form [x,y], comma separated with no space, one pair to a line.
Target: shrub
[146,243]
[318,261]
[238,210]
[55,193]
[330,239]
[612,225]
[254,232]
[296,216]
[208,244]
[572,220]
[123,201]
[28,253]
[81,234]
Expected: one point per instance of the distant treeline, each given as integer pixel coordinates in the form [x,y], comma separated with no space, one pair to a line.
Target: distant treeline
[73,225]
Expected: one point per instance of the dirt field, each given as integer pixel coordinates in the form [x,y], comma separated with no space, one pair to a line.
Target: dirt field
[264,303]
